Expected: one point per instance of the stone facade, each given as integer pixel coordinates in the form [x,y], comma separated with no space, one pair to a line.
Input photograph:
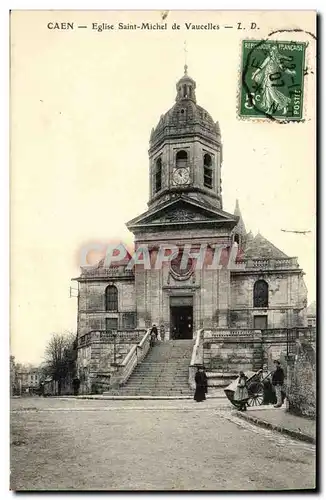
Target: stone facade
[27,378]
[301,381]
[311,315]
[186,208]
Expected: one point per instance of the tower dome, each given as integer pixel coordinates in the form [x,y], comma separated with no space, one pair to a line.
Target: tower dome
[186,118]
[185,153]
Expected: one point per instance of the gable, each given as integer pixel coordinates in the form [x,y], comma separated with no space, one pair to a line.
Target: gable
[182,211]
[261,248]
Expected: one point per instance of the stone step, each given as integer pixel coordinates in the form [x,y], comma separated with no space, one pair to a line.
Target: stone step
[158,380]
[158,383]
[161,369]
[164,371]
[157,386]
[151,378]
[166,363]
[150,393]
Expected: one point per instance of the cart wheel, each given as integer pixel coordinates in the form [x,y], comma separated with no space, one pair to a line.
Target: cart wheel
[256,399]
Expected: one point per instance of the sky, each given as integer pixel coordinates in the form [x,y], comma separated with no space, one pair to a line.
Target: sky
[83,104]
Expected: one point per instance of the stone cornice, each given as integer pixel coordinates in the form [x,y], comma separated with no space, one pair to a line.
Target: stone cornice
[265,271]
[84,278]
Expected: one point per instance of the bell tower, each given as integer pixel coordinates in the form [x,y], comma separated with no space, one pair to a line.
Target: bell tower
[185,153]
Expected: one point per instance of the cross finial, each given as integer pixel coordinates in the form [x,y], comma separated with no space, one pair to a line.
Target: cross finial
[185,51]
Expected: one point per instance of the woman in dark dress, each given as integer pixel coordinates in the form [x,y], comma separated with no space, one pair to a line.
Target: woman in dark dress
[201,385]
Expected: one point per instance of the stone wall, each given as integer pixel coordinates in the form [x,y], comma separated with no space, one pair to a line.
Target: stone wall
[209,289]
[91,307]
[287,299]
[301,381]
[94,364]
[227,356]
[221,298]
[232,350]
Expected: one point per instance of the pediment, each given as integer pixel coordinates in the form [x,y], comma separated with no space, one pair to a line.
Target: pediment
[181,212]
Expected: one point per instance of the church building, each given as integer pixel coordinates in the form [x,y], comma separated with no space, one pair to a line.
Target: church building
[263,289]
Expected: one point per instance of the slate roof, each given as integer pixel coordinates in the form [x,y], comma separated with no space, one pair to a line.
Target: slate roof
[259,247]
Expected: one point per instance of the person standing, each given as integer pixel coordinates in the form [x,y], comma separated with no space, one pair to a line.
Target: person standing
[76,385]
[201,384]
[152,339]
[41,389]
[154,331]
[162,332]
[278,381]
[241,395]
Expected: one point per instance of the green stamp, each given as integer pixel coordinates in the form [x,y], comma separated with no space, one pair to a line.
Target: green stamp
[272,77]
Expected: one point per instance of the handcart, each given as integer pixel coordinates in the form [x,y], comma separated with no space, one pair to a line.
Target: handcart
[259,389]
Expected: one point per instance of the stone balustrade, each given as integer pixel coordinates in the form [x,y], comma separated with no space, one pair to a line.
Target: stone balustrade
[229,332]
[196,358]
[135,356]
[109,337]
[290,263]
[107,272]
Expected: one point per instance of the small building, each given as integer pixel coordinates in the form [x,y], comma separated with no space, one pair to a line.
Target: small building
[27,379]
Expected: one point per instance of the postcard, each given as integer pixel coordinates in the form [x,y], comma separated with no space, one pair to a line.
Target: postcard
[163,284]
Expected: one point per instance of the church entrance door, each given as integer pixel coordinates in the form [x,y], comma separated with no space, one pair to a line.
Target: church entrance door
[181,322]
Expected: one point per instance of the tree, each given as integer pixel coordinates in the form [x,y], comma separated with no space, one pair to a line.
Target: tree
[60,357]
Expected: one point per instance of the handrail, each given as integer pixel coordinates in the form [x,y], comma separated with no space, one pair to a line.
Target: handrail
[129,355]
[145,337]
[196,347]
[196,358]
[136,354]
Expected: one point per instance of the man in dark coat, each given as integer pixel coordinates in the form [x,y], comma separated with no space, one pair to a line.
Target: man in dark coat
[76,385]
[41,389]
[278,381]
[201,384]
[154,331]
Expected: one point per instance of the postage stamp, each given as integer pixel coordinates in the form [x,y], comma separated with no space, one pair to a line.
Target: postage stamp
[272,79]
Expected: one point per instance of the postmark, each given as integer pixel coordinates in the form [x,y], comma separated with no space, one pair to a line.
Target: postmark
[272,80]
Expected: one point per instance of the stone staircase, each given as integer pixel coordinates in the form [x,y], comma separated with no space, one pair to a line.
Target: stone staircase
[164,371]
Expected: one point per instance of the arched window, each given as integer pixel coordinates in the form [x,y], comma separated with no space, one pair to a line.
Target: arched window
[208,171]
[158,175]
[111,298]
[181,159]
[261,294]
[237,239]
[185,91]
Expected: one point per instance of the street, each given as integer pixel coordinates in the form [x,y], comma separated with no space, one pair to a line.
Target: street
[70,444]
